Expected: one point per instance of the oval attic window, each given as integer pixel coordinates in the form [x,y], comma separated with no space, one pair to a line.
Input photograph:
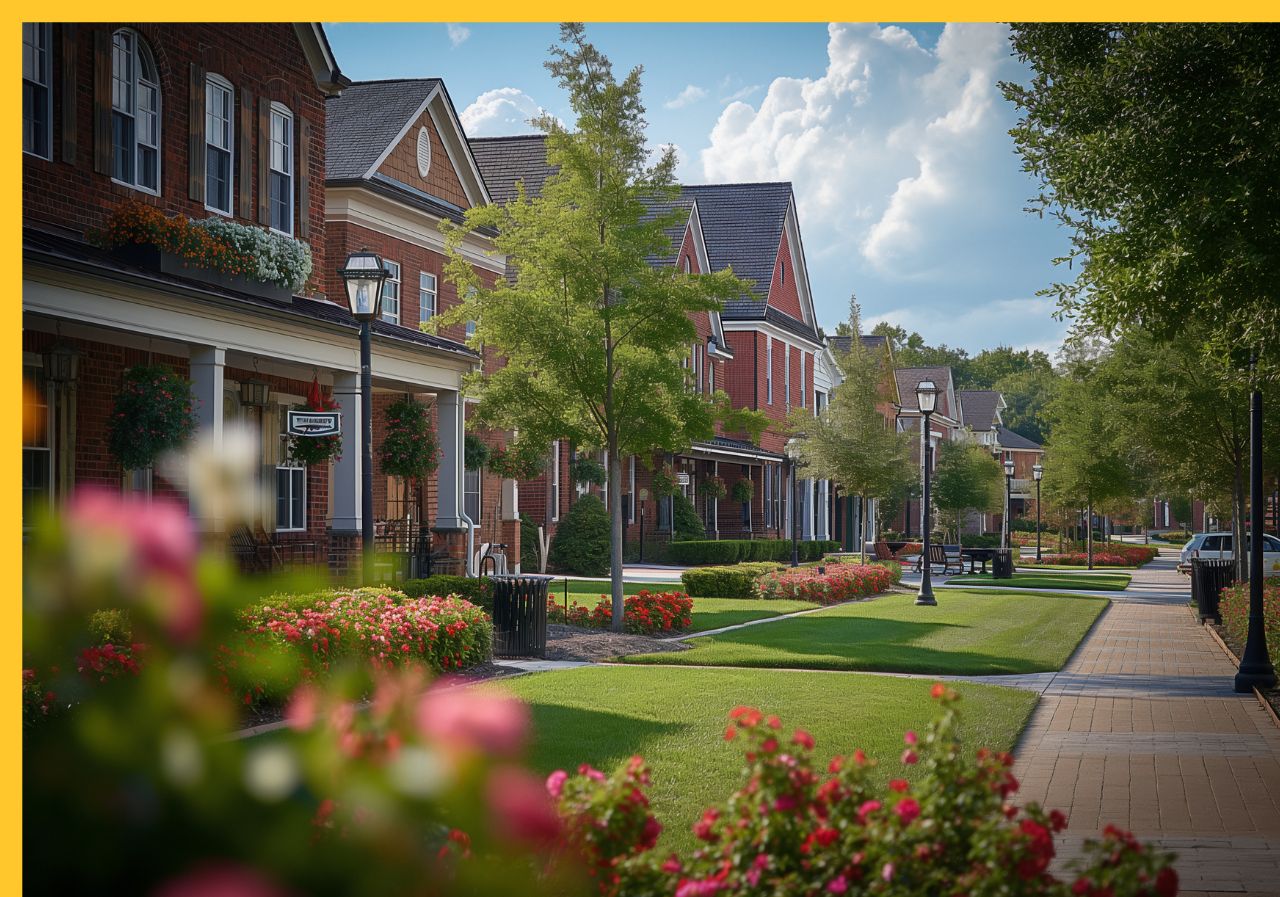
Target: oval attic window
[424,152]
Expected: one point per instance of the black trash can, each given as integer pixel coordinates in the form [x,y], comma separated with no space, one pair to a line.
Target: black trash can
[520,615]
[1002,564]
[1209,576]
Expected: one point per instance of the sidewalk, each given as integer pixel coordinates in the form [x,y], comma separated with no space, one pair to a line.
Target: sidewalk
[1142,729]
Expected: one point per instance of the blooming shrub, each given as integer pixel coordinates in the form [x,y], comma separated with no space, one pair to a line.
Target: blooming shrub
[103,662]
[644,612]
[1233,604]
[1114,555]
[840,582]
[270,257]
[793,829]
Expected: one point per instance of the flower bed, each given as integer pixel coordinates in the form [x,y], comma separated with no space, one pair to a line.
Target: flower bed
[381,626]
[840,582]
[1233,604]
[792,828]
[734,581]
[644,612]
[1113,556]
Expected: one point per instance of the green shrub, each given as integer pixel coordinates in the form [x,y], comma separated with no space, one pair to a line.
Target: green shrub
[581,543]
[528,544]
[111,626]
[685,521]
[725,551]
[479,591]
[894,567]
[980,540]
[726,582]
[1178,537]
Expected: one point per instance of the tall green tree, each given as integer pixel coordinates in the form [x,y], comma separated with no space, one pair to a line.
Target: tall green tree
[966,478]
[850,442]
[1158,147]
[592,334]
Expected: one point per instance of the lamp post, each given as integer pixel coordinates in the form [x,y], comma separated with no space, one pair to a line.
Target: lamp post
[792,449]
[1038,472]
[1008,499]
[926,401]
[1255,670]
[363,276]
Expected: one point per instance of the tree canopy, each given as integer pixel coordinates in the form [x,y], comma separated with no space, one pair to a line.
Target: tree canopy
[966,478]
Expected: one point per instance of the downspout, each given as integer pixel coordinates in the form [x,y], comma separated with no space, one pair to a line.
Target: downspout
[471,542]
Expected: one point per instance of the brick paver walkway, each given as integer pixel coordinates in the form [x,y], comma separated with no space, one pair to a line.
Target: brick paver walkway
[1142,729]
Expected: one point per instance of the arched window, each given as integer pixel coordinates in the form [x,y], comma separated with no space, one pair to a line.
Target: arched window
[135,112]
[219,140]
[281,169]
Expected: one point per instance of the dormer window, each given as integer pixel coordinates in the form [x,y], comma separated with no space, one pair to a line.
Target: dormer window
[135,113]
[782,270]
[684,265]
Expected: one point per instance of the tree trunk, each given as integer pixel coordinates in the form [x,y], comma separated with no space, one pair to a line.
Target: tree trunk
[615,538]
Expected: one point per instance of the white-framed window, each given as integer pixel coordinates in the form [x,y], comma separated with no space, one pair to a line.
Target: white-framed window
[426,295]
[768,370]
[37,442]
[281,178]
[711,376]
[553,483]
[803,403]
[786,373]
[135,113]
[697,365]
[768,497]
[471,503]
[471,329]
[219,143]
[391,292]
[291,484]
[37,89]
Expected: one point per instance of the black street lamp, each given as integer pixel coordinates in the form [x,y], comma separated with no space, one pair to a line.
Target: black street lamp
[926,401]
[792,450]
[1256,670]
[363,276]
[1008,499]
[1038,472]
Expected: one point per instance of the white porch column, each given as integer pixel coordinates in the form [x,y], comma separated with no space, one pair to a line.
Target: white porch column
[450,428]
[207,370]
[347,470]
[510,500]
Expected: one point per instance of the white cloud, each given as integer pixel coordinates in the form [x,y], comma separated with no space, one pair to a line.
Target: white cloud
[898,153]
[457,33]
[740,94]
[1023,323]
[496,113]
[687,97]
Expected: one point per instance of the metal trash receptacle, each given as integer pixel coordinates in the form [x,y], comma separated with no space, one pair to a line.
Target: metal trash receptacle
[1209,576]
[520,615]
[1002,564]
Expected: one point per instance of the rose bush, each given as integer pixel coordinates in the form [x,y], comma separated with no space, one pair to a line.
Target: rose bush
[839,582]
[1233,604]
[1113,555]
[644,612]
[793,829]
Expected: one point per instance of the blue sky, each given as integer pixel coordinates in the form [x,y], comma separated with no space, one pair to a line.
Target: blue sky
[895,137]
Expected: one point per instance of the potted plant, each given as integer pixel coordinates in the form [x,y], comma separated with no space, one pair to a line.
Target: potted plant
[315,450]
[743,491]
[153,413]
[409,448]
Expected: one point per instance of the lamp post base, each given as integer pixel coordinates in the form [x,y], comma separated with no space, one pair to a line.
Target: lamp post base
[1261,676]
[926,600]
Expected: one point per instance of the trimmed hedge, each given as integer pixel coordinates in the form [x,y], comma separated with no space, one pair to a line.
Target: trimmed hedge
[478,591]
[685,520]
[729,551]
[737,581]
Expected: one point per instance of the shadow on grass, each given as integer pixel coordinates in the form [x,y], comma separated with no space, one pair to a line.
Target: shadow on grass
[566,737]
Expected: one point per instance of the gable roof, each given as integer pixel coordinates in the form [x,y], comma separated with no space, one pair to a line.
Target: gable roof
[1011,440]
[504,161]
[909,378]
[319,55]
[365,123]
[743,224]
[981,407]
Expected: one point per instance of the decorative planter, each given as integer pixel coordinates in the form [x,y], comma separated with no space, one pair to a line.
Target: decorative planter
[144,255]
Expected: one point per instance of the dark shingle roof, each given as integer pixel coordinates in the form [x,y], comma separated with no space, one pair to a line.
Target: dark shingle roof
[363,121]
[845,343]
[742,224]
[979,407]
[505,160]
[909,378]
[1011,440]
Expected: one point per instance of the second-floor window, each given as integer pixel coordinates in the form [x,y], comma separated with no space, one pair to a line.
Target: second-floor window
[219,135]
[281,169]
[768,369]
[37,98]
[786,374]
[426,295]
[553,483]
[802,366]
[135,113]
[391,292]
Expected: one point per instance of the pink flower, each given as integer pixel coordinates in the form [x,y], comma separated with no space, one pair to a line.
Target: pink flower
[220,881]
[521,808]
[839,884]
[867,809]
[910,738]
[704,887]
[910,757]
[468,720]
[555,783]
[591,772]
[899,785]
[907,809]
[887,872]
[301,712]
[802,738]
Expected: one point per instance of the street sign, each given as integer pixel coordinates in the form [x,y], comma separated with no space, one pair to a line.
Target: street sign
[315,423]
[682,479]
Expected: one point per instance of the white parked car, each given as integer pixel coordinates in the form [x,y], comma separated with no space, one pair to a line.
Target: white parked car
[1218,545]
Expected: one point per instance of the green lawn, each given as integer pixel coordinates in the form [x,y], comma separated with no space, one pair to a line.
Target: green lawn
[675,719]
[1097,582]
[708,613]
[969,633]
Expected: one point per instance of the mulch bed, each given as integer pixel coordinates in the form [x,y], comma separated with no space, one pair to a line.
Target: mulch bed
[575,643]
[1272,695]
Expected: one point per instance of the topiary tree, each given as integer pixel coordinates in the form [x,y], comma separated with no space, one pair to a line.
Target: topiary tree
[581,543]
[685,523]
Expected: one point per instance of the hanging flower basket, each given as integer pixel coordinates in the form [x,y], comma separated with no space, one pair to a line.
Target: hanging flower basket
[664,481]
[315,450]
[744,490]
[475,454]
[153,414]
[714,487]
[517,462]
[587,470]
[409,449]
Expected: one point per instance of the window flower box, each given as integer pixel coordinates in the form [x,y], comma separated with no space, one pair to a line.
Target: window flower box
[153,258]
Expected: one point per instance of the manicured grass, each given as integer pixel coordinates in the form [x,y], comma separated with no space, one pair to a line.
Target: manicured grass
[1096,582]
[675,719]
[968,633]
[708,613]
[597,587]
